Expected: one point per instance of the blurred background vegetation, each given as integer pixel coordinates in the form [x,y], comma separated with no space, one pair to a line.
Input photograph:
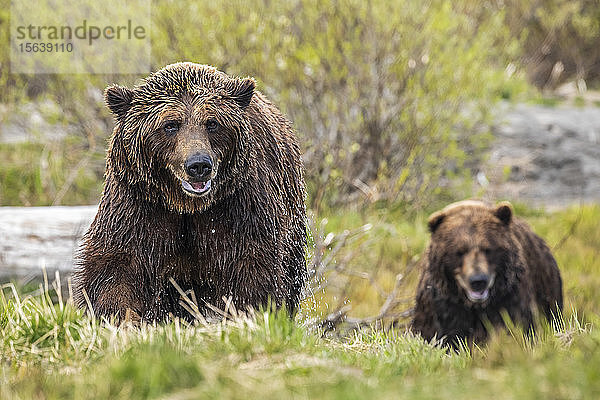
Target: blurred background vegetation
[392,102]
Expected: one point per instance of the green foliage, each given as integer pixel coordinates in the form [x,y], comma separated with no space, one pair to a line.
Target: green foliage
[35,174]
[389,102]
[560,40]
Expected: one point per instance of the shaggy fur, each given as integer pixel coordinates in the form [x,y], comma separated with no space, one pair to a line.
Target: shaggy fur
[244,239]
[472,241]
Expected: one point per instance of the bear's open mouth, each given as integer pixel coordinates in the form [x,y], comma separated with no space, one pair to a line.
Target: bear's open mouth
[478,297]
[196,188]
[477,294]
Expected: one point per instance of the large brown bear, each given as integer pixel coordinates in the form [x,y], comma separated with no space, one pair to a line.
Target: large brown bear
[204,185]
[481,263]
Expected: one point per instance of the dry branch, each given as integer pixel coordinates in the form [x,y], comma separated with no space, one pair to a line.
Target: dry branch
[333,262]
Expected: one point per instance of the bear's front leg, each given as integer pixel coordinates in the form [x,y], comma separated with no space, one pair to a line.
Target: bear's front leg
[257,283]
[109,291]
[119,301]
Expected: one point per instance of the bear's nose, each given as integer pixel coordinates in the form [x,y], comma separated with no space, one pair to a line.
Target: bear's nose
[478,282]
[199,167]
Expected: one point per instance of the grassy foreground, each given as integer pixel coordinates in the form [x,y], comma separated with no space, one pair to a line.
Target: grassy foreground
[49,350]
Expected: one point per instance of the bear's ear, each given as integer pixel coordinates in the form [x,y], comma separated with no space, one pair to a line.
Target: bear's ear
[241,90]
[435,220]
[504,212]
[118,99]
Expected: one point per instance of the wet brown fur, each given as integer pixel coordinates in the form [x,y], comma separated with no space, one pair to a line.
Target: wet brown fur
[471,237]
[245,239]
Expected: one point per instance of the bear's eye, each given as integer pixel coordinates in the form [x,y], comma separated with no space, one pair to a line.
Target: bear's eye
[171,127]
[461,252]
[212,125]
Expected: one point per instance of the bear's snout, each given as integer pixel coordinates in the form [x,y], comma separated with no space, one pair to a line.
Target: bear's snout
[479,282]
[199,167]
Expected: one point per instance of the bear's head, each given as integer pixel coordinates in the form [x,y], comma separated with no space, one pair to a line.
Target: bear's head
[183,135]
[473,251]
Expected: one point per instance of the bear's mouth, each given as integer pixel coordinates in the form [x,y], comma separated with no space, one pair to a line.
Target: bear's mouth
[197,188]
[478,296]
[473,293]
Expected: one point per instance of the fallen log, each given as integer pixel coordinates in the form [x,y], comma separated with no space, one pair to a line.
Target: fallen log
[36,238]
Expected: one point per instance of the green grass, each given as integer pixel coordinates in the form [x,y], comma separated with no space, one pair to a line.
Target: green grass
[56,173]
[49,350]
[579,101]
[546,101]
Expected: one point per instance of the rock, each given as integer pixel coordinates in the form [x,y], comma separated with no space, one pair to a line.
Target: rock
[552,155]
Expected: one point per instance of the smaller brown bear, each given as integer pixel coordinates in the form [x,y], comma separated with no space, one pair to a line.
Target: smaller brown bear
[482,262]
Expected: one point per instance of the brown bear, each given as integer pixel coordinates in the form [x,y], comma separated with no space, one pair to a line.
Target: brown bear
[482,264]
[204,186]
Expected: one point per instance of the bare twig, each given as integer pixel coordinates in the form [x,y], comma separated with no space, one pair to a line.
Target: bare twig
[332,264]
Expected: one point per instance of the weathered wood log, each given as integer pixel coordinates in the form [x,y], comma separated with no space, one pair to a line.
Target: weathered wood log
[33,238]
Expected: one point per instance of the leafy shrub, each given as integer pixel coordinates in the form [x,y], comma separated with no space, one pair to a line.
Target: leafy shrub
[387,98]
[390,100]
[560,40]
